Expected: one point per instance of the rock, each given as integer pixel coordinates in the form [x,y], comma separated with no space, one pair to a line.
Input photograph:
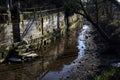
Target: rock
[68,77]
[77,79]
[7,48]
[32,55]
[73,62]
[86,59]
[78,67]
[86,37]
[92,65]
[61,78]
[1,60]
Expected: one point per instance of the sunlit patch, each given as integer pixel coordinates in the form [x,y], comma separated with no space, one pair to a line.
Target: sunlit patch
[118,1]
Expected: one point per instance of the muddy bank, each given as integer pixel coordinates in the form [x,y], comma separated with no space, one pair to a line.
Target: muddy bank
[100,62]
[88,60]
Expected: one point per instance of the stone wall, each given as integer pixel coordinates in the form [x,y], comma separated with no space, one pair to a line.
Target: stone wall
[5,33]
[52,26]
[51,22]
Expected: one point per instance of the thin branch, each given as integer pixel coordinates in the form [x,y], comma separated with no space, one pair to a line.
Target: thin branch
[81,14]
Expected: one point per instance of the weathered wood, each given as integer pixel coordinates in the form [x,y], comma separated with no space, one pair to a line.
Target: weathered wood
[42,25]
[58,22]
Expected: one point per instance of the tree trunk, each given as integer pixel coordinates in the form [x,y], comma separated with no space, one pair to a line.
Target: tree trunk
[15,18]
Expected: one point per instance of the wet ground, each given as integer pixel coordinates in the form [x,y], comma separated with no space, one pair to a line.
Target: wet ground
[75,57]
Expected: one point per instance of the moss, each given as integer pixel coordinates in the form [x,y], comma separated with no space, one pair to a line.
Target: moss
[115,22]
[102,18]
[106,75]
[116,32]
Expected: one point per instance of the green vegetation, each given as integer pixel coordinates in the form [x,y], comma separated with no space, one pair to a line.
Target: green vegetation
[116,32]
[106,75]
[115,22]
[109,74]
[95,12]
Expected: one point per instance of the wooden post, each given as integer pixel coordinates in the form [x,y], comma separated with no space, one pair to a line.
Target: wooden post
[15,18]
[67,19]
[42,25]
[67,22]
[58,24]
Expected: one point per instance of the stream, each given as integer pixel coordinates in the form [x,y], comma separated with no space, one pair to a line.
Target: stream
[74,57]
[83,46]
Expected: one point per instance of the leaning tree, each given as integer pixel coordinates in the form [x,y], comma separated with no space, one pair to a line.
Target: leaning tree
[92,10]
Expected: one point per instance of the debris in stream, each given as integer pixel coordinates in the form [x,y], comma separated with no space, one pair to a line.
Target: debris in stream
[28,56]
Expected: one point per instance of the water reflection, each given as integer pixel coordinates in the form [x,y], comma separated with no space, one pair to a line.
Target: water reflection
[56,75]
[85,64]
[56,62]
[81,41]
[55,59]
